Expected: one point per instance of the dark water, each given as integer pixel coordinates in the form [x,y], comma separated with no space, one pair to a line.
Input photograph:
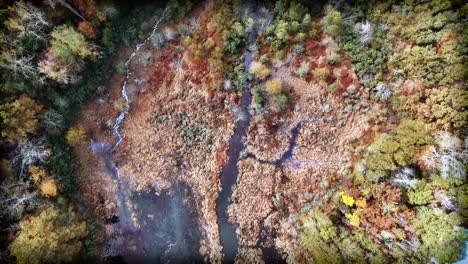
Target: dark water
[230,171]
[166,231]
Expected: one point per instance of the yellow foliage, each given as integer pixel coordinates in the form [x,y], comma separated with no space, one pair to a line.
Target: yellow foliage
[18,118]
[119,105]
[37,173]
[76,135]
[259,70]
[273,86]
[348,200]
[361,203]
[321,74]
[48,188]
[353,218]
[49,237]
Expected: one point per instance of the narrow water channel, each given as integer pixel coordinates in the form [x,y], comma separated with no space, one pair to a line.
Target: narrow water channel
[150,228]
[230,171]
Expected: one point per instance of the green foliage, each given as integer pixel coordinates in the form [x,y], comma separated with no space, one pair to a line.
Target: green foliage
[297,49]
[332,20]
[367,61]
[303,69]
[332,88]
[328,243]
[279,102]
[440,235]
[448,107]
[63,165]
[398,149]
[333,58]
[420,194]
[67,43]
[49,237]
[121,68]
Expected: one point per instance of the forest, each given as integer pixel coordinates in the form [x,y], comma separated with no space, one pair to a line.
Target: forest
[230,131]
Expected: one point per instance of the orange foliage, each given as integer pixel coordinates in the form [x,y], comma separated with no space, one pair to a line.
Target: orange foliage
[87,29]
[86,7]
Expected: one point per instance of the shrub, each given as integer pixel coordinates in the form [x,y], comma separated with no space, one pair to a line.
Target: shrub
[300,37]
[303,69]
[76,135]
[333,58]
[263,58]
[87,29]
[183,30]
[279,102]
[312,33]
[297,49]
[158,41]
[119,104]
[332,88]
[280,55]
[321,74]
[259,70]
[273,86]
[121,68]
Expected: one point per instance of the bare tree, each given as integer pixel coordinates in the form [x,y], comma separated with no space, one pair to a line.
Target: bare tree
[29,152]
[26,19]
[53,3]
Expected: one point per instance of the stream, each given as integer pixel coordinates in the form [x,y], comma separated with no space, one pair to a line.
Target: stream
[151,228]
[230,171]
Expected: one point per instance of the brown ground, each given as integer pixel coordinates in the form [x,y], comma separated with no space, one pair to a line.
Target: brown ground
[178,132]
[323,154]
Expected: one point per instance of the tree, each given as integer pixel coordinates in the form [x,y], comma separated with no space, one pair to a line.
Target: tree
[449,157]
[19,63]
[26,20]
[52,236]
[274,86]
[76,135]
[30,152]
[54,68]
[440,235]
[48,188]
[68,43]
[259,70]
[19,118]
[87,29]
[332,20]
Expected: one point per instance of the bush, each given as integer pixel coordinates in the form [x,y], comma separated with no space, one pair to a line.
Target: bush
[303,69]
[273,86]
[121,68]
[259,70]
[279,102]
[76,135]
[333,58]
[280,55]
[321,74]
[297,49]
[332,88]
